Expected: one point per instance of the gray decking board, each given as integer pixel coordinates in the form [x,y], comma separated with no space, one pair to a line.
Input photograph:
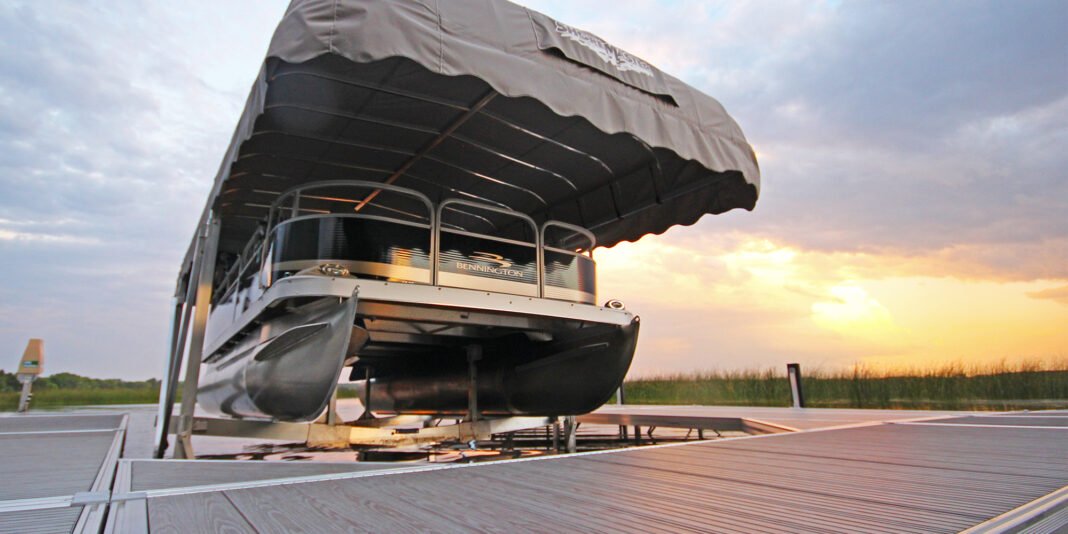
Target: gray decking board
[719,500]
[394,505]
[757,463]
[315,512]
[161,474]
[1009,420]
[702,503]
[882,478]
[47,465]
[1011,451]
[799,418]
[53,457]
[1051,523]
[203,512]
[46,521]
[54,423]
[931,493]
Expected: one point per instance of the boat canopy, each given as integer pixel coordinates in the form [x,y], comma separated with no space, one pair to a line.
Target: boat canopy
[481,100]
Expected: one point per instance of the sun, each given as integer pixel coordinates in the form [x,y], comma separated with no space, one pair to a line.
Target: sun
[851,310]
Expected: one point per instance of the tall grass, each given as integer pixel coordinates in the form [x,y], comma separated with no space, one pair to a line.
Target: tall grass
[55,398]
[1028,385]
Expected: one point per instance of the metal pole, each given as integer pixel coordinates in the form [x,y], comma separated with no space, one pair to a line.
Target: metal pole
[571,426]
[202,304]
[331,409]
[169,384]
[366,400]
[24,398]
[556,437]
[178,346]
[793,372]
[474,354]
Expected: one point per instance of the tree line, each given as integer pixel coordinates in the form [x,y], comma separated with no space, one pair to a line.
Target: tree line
[9,382]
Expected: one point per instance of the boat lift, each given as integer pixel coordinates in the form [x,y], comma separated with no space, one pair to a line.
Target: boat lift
[503,110]
[190,321]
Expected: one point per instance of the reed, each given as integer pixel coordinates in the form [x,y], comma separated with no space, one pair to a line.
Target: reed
[956,386]
[55,398]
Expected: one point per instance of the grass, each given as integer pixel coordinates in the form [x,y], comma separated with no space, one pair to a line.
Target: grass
[1029,385]
[56,398]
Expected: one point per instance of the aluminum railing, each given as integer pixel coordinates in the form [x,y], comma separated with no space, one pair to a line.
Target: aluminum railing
[287,208]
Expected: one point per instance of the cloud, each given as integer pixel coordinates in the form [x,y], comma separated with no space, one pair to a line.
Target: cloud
[901,129]
[112,120]
[739,301]
[1056,294]
[901,143]
[11,235]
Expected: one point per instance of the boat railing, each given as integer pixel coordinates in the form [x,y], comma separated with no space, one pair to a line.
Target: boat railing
[477,206]
[568,246]
[304,202]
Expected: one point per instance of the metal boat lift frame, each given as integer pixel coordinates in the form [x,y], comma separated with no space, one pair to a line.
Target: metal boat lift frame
[191,306]
[190,321]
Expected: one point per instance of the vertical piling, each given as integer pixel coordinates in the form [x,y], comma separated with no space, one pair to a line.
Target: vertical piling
[793,372]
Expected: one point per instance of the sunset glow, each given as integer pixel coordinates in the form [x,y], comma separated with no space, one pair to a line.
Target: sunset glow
[743,302]
[911,210]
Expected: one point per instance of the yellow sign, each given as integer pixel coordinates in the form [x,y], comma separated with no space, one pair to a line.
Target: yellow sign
[32,362]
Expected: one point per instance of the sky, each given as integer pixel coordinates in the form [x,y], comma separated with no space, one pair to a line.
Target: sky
[913,208]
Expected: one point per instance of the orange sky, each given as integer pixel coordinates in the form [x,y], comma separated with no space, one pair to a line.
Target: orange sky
[738,301]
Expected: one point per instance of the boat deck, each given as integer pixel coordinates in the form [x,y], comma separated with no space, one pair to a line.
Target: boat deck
[860,472]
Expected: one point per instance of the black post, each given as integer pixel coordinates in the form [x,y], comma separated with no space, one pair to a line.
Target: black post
[793,372]
[474,354]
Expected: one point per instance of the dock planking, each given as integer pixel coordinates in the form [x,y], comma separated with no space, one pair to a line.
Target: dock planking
[876,477]
[165,474]
[47,461]
[205,512]
[944,473]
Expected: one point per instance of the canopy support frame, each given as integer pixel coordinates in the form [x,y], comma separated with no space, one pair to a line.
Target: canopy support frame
[209,237]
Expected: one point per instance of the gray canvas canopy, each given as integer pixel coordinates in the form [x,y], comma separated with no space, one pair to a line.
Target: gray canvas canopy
[483,100]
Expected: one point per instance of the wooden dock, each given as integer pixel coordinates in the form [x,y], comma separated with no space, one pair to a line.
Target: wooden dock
[840,471]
